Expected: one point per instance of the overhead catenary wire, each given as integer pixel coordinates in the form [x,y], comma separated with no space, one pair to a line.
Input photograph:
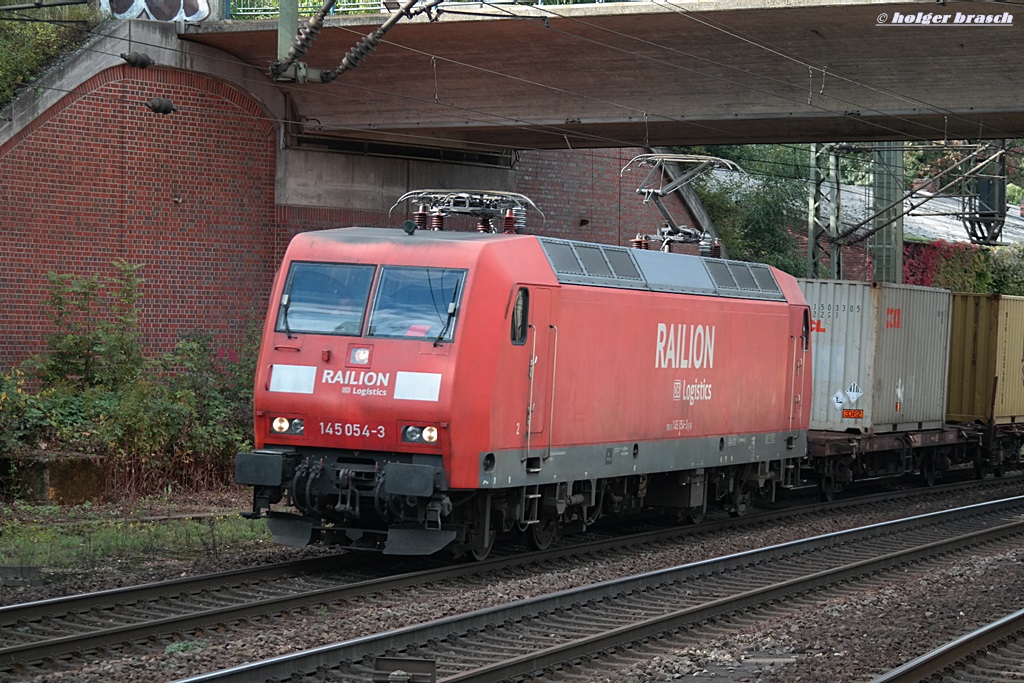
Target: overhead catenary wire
[356,129]
[711,128]
[547,9]
[849,236]
[559,131]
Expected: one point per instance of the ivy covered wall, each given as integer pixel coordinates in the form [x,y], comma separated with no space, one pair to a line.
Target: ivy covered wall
[963,267]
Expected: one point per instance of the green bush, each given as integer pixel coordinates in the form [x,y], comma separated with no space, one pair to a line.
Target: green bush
[1008,269]
[172,421]
[96,342]
[24,418]
[1014,194]
[754,212]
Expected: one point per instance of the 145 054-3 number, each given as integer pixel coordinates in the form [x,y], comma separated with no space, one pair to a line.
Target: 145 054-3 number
[352,429]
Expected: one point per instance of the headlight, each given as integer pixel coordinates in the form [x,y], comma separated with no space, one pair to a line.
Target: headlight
[284,425]
[359,355]
[417,434]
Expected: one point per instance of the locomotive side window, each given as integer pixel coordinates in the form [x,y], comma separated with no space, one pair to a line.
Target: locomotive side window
[520,316]
[416,303]
[324,298]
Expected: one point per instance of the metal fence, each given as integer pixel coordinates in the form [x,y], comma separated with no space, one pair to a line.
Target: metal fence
[268,9]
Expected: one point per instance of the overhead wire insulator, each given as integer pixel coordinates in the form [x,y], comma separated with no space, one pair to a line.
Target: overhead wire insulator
[363,49]
[369,43]
[307,33]
[303,41]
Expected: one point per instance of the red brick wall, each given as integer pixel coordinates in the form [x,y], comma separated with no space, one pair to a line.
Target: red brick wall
[572,186]
[856,260]
[99,177]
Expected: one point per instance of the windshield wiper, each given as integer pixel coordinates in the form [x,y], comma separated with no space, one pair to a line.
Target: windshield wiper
[451,314]
[286,301]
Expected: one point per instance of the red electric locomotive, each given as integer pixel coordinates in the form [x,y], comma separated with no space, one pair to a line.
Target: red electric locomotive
[421,390]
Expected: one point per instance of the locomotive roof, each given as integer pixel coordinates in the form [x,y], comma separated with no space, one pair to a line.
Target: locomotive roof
[601,265]
[585,263]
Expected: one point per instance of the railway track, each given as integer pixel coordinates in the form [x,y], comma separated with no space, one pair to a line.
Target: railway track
[576,628]
[35,634]
[994,652]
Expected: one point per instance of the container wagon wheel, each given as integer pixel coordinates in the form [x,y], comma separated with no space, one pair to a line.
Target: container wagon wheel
[928,470]
[827,484]
[979,468]
[1000,467]
[540,535]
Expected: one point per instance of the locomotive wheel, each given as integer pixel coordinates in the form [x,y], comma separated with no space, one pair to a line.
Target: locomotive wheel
[695,515]
[540,535]
[480,554]
[766,494]
[740,504]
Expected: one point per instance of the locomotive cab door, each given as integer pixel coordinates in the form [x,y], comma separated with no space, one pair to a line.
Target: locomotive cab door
[799,340]
[799,394]
[540,363]
[538,336]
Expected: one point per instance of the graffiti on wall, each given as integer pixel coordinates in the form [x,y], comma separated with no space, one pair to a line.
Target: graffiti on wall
[159,10]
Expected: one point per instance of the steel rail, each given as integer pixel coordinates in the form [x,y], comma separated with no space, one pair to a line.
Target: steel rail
[952,655]
[652,627]
[460,629]
[28,653]
[25,611]
[12,616]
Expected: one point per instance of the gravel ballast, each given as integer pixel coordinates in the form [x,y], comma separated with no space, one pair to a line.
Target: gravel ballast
[845,639]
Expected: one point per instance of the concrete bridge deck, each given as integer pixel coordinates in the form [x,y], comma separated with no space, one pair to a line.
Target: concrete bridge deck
[657,73]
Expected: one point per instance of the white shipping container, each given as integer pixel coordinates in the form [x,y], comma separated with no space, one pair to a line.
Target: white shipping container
[880,356]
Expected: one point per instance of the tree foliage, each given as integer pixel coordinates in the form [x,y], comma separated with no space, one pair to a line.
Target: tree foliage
[96,342]
[755,212]
[30,40]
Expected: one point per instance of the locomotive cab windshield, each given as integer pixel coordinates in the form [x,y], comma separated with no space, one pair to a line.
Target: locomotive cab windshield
[408,301]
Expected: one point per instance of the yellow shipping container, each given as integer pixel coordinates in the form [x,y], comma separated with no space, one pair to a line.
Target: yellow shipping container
[986,360]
